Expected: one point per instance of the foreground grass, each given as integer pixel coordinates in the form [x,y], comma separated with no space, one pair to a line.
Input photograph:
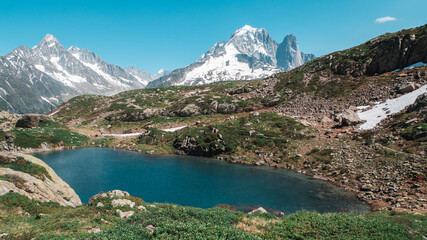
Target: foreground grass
[51,221]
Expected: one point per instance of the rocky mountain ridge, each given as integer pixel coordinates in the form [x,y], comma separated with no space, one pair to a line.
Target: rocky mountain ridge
[39,79]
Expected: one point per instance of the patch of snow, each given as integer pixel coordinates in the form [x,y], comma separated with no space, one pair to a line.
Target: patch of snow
[51,114]
[40,67]
[106,76]
[362,107]
[4,91]
[382,110]
[121,135]
[48,101]
[173,129]
[63,76]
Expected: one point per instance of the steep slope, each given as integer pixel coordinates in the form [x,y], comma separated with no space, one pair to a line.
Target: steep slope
[89,76]
[25,89]
[133,78]
[249,53]
[289,56]
[384,53]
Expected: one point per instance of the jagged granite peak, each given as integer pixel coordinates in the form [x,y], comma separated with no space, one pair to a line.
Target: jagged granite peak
[249,53]
[288,53]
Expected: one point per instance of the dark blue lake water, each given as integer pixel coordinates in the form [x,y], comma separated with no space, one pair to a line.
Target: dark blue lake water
[194,181]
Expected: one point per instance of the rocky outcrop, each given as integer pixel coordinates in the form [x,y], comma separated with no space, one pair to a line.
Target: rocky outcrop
[419,105]
[208,145]
[30,121]
[136,116]
[382,54]
[119,199]
[52,189]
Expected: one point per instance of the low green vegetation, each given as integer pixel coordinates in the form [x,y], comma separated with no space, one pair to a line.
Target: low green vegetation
[324,155]
[21,165]
[18,181]
[237,136]
[49,132]
[168,221]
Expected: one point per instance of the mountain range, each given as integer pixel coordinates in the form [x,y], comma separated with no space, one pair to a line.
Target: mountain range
[250,53]
[39,79]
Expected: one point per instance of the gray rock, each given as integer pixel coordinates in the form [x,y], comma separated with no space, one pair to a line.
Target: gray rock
[407,88]
[125,215]
[122,202]
[189,111]
[348,118]
[227,108]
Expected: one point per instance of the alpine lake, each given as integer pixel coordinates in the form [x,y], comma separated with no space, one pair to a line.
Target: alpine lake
[195,181]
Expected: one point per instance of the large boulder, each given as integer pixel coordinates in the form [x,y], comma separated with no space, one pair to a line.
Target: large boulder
[419,105]
[111,194]
[226,108]
[29,121]
[122,202]
[407,88]
[348,118]
[49,189]
[189,111]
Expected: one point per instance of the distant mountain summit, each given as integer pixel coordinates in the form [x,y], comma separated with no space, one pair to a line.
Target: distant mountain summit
[289,56]
[249,53]
[39,79]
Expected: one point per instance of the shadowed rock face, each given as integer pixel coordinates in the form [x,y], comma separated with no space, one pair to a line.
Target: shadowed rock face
[382,54]
[398,52]
[46,190]
[29,121]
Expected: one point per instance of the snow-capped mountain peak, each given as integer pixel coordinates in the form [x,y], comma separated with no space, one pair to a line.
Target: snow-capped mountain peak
[73,72]
[73,49]
[48,41]
[249,53]
[161,73]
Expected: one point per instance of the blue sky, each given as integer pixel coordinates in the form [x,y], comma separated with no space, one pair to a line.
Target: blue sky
[172,34]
